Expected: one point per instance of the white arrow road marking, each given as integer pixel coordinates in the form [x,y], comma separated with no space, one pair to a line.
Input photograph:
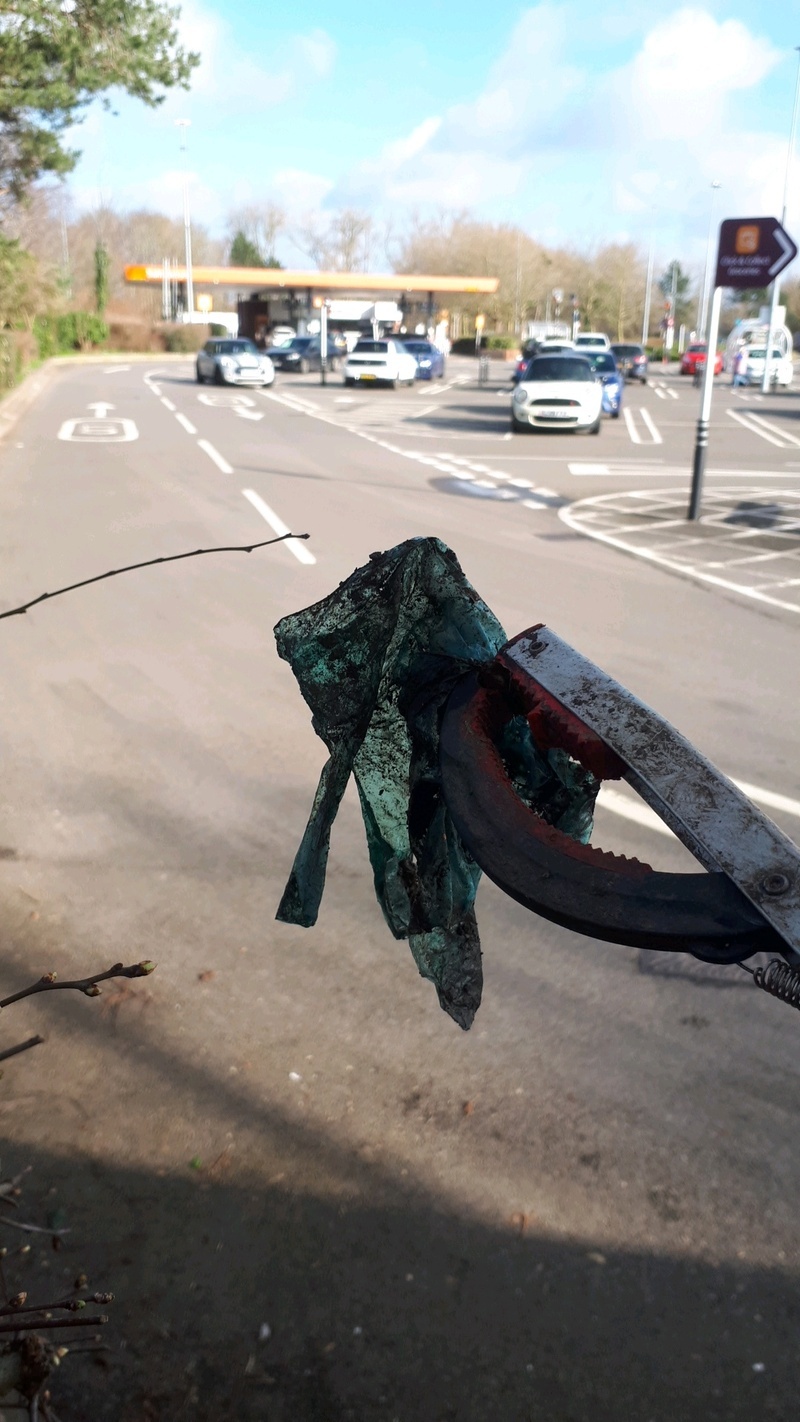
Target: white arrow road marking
[247,414]
[100,409]
[301,553]
[786,255]
[98,431]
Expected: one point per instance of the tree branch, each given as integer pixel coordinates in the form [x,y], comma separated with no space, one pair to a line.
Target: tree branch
[88,986]
[148,563]
[23,1047]
[38,1325]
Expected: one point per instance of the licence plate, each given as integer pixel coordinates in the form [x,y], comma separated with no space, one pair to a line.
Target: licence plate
[556,414]
[366,377]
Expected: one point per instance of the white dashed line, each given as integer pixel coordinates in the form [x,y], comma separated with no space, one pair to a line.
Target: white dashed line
[168,405]
[221,463]
[187,424]
[632,430]
[648,420]
[301,553]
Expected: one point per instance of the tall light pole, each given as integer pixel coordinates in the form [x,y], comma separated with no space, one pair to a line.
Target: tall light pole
[183,125]
[703,316]
[648,290]
[776,285]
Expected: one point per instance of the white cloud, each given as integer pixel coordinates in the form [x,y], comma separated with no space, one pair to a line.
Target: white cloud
[551,140]
[227,75]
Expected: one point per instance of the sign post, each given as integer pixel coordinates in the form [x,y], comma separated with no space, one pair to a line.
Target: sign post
[751,252]
[323,343]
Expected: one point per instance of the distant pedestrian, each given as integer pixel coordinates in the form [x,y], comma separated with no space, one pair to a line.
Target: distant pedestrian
[740,363]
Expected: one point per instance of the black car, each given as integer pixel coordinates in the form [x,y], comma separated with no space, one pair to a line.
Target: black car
[632,361]
[303,354]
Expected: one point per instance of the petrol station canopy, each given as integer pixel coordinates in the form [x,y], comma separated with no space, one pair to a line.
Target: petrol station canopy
[276,278]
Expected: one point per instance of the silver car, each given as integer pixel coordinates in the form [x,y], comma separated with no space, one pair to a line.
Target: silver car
[234,362]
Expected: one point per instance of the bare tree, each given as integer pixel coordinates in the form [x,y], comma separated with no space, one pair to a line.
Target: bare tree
[261,224]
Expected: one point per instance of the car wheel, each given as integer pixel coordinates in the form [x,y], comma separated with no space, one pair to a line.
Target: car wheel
[615,414]
[348,380]
[201,380]
[304,367]
[595,428]
[517,428]
[333,365]
[219,378]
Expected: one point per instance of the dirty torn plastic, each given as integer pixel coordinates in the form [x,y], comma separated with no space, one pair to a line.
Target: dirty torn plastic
[376,661]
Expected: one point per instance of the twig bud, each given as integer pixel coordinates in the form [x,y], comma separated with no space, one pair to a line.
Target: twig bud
[146,967]
[101,1298]
[18,1300]
[92,990]
[61,1352]
[48,977]
[81,1281]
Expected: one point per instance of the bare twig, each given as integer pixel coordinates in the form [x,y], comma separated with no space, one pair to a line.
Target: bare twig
[33,1229]
[38,1325]
[70,1304]
[23,1047]
[88,986]
[148,563]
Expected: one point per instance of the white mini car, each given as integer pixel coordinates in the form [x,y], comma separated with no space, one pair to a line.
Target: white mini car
[383,362]
[234,362]
[558,392]
[592,340]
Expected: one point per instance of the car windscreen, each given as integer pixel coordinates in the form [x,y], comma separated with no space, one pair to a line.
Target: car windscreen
[596,341]
[300,343]
[558,368]
[237,348]
[602,361]
[626,351]
[373,347]
[696,350]
[418,347]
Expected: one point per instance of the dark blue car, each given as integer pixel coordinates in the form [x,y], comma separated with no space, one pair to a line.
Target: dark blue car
[430,360]
[606,369]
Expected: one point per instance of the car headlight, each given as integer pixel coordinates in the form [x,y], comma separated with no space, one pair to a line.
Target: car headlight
[613,386]
[227,361]
[425,363]
[520,395]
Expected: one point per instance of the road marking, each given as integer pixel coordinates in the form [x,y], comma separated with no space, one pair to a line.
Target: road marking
[686,570]
[208,448]
[187,424]
[225,400]
[168,405]
[744,421]
[648,420]
[101,408]
[588,468]
[115,369]
[301,553]
[673,394]
[641,814]
[97,431]
[632,430]
[660,393]
[776,429]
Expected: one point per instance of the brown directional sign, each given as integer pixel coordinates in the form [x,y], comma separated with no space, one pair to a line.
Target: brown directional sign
[752,252]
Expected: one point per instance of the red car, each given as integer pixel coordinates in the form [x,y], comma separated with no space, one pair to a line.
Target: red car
[695,358]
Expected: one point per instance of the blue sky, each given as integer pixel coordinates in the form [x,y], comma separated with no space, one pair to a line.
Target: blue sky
[581,120]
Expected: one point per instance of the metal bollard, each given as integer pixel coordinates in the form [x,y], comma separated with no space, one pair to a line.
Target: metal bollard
[483,370]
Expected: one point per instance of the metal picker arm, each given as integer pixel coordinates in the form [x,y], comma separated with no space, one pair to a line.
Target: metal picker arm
[749,901]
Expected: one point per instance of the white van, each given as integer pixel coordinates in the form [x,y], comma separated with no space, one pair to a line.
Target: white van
[592,341]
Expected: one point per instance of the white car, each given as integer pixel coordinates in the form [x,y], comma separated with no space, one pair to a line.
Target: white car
[592,341]
[781,369]
[558,392]
[229,362]
[383,362]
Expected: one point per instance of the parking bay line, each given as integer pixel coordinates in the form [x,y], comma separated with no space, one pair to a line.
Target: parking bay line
[641,814]
[301,553]
[745,422]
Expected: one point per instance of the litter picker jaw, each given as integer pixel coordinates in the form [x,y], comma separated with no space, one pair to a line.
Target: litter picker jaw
[747,901]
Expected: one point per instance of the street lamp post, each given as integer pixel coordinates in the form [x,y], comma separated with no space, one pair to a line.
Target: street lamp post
[648,288]
[703,317]
[776,285]
[183,125]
